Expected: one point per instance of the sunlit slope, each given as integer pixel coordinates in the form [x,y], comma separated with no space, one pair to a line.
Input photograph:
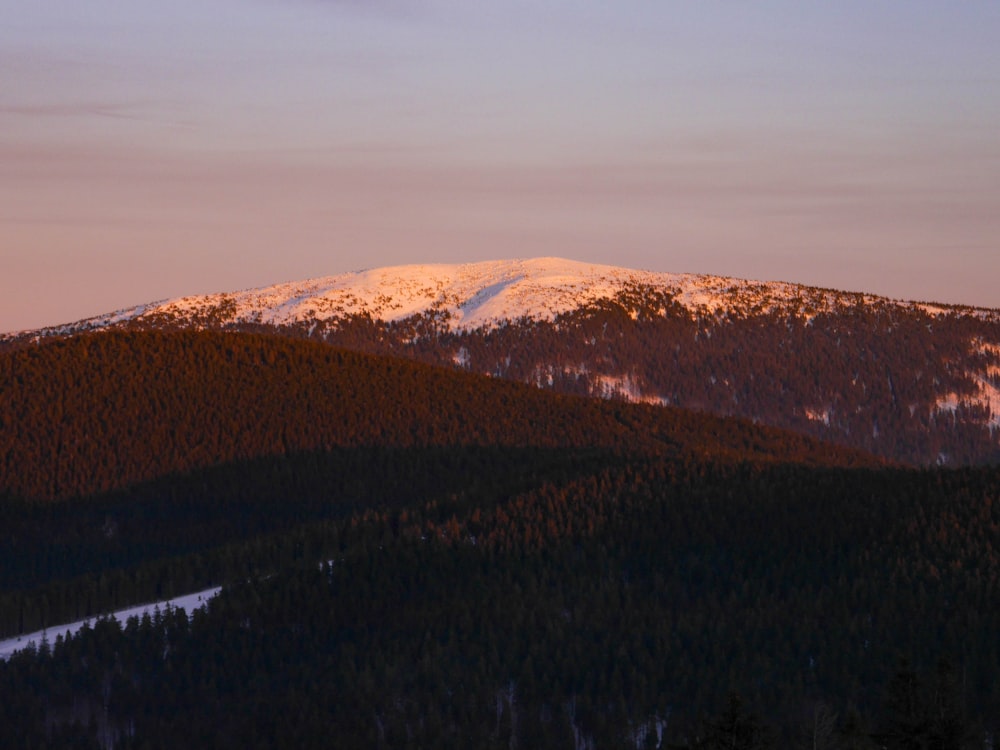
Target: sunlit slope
[486,294]
[104,411]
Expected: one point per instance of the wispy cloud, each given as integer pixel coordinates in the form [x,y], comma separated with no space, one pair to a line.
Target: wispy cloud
[74,109]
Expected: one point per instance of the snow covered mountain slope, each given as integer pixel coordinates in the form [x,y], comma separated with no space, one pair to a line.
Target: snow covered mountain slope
[476,295]
[911,381]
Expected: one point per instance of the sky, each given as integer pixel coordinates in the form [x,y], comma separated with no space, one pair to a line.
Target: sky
[150,150]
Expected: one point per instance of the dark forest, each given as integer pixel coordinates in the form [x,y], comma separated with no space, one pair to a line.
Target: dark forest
[414,556]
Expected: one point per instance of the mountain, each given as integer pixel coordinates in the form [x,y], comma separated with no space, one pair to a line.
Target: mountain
[909,381]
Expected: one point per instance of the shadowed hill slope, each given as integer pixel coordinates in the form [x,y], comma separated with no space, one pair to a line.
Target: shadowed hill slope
[104,411]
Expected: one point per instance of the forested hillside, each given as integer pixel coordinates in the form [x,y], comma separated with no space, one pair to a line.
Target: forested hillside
[418,557]
[103,411]
[636,605]
[886,378]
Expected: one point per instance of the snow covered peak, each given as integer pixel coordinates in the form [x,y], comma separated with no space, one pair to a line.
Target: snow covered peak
[474,295]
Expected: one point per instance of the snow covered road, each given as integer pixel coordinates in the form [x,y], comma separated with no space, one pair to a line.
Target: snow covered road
[189,602]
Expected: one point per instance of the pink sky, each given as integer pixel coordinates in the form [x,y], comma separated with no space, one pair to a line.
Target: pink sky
[152,150]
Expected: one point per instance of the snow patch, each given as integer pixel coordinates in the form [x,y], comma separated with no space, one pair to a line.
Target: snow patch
[625,387]
[991,351]
[988,396]
[947,403]
[819,415]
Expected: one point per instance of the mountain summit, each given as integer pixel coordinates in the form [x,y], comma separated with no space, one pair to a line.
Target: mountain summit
[910,381]
[477,295]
